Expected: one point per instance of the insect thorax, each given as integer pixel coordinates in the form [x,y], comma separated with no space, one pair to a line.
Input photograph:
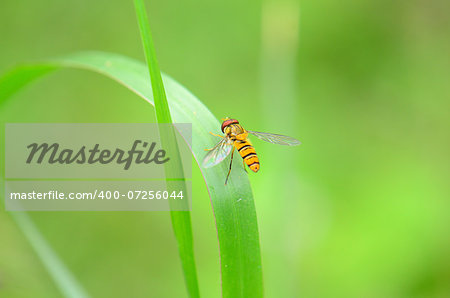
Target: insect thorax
[235,130]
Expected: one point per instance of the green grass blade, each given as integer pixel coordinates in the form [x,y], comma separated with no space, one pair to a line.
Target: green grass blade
[159,94]
[233,204]
[19,77]
[63,278]
[181,220]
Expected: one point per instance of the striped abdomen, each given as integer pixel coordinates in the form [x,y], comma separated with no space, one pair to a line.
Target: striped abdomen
[248,153]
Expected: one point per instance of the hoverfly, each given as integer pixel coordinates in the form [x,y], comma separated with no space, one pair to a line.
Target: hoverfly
[236,137]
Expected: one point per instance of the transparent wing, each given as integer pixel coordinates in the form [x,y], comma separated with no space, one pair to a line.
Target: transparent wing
[275,139]
[218,153]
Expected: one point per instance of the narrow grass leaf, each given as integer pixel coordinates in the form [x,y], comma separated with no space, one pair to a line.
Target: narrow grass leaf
[62,276]
[181,220]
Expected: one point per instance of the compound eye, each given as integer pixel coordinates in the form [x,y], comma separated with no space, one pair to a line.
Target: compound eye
[228,122]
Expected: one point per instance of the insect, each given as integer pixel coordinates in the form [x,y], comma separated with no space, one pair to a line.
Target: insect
[236,138]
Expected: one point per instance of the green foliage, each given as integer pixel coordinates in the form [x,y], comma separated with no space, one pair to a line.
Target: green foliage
[62,276]
[233,204]
[181,220]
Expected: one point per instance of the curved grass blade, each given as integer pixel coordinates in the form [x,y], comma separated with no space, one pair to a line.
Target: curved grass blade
[233,204]
[63,278]
[181,220]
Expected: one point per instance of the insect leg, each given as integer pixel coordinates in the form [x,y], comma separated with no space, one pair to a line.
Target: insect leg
[231,162]
[245,168]
[216,135]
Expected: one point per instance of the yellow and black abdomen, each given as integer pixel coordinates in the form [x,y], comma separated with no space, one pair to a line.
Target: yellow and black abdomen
[248,153]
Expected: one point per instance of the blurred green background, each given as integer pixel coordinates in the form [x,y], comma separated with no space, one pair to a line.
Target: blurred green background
[360,209]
